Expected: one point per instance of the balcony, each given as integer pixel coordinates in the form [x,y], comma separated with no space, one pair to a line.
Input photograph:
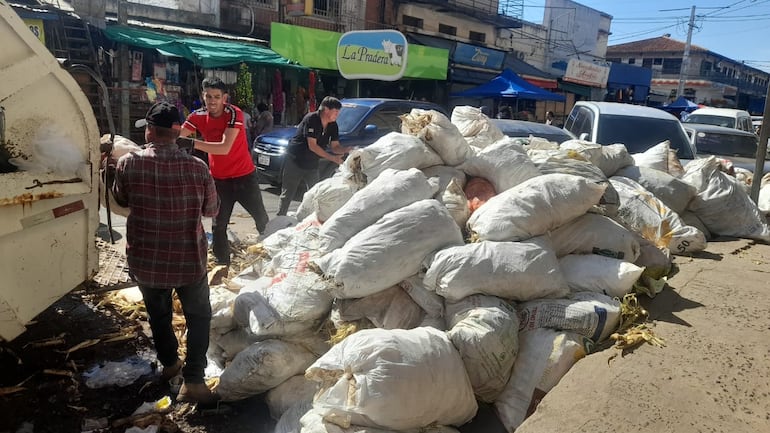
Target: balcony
[717,77]
[482,10]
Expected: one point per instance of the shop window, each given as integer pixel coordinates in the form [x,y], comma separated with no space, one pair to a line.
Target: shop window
[409,20]
[672,66]
[447,30]
[614,60]
[657,61]
[631,61]
[326,8]
[477,37]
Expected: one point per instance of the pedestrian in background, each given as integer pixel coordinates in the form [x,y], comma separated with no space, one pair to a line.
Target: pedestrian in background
[549,117]
[264,120]
[224,139]
[168,192]
[315,132]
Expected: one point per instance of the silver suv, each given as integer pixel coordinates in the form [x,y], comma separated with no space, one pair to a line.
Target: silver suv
[636,126]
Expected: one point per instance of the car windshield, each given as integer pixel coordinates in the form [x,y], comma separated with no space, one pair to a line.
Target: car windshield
[350,116]
[710,143]
[724,121]
[640,133]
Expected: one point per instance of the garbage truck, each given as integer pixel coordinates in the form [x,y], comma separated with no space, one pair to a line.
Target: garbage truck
[49,162]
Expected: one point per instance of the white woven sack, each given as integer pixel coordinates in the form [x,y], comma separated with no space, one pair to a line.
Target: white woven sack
[722,205]
[595,234]
[644,213]
[592,315]
[232,343]
[655,157]
[518,271]
[262,366]
[295,390]
[485,330]
[445,174]
[609,158]
[763,203]
[534,207]
[393,379]
[504,163]
[595,273]
[567,164]
[313,422]
[475,126]
[438,132]
[391,190]
[428,300]
[545,356]
[120,146]
[456,203]
[392,150]
[290,420]
[295,302]
[673,192]
[390,250]
[221,300]
[325,197]
[391,308]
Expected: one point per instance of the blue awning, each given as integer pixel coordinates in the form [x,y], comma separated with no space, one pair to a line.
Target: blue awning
[509,85]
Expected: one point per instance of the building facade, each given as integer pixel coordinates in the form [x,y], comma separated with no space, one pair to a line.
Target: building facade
[711,78]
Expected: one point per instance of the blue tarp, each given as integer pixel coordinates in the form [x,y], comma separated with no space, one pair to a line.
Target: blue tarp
[680,104]
[509,85]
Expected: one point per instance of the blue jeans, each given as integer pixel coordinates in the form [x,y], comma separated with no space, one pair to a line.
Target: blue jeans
[197,313]
[244,190]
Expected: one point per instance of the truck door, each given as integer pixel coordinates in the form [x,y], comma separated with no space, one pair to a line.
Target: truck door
[48,218]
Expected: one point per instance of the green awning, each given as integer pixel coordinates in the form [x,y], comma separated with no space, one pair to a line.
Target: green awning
[204,52]
[318,49]
[575,88]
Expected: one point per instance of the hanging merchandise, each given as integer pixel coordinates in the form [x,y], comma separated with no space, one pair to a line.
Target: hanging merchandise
[311,92]
[136,65]
[278,100]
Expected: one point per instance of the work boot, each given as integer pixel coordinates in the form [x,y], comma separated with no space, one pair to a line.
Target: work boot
[196,393]
[171,371]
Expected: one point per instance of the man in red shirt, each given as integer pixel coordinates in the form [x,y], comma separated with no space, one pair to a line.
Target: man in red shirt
[221,126]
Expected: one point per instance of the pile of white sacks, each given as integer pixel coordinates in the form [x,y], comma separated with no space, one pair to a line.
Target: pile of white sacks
[493,306]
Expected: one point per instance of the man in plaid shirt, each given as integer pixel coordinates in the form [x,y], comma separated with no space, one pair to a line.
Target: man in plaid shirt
[168,192]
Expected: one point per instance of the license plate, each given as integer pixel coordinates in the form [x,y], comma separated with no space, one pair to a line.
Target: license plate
[263,160]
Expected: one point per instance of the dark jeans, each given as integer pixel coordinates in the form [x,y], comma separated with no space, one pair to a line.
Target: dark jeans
[197,314]
[244,190]
[293,177]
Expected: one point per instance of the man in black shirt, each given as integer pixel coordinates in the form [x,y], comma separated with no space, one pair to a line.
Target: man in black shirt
[316,131]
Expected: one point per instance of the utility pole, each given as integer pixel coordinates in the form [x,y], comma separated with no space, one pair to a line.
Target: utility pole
[125,115]
[686,56]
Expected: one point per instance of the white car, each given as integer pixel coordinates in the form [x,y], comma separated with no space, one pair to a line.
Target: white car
[724,117]
[636,126]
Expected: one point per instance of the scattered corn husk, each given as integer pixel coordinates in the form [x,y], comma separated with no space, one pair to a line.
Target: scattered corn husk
[65,373]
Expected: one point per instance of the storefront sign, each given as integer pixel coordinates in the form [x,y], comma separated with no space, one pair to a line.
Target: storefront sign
[587,73]
[316,48]
[481,57]
[372,54]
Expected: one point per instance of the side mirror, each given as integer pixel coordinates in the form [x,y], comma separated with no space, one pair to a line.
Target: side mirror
[370,129]
[583,136]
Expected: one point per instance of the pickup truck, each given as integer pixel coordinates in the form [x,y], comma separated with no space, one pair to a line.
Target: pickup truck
[48,219]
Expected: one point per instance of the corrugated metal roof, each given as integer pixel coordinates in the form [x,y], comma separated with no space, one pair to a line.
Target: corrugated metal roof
[653,45]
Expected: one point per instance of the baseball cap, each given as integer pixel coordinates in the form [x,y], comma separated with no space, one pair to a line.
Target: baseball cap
[162,114]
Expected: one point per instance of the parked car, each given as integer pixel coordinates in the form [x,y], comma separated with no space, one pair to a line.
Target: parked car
[740,147]
[361,122]
[636,126]
[725,117]
[523,128]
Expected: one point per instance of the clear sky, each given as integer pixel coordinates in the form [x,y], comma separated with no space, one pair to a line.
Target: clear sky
[738,29]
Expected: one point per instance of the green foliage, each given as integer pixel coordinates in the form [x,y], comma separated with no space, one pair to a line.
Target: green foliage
[244,94]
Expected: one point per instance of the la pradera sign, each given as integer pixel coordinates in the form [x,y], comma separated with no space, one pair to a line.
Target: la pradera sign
[372,54]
